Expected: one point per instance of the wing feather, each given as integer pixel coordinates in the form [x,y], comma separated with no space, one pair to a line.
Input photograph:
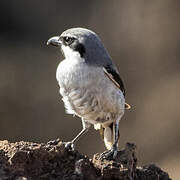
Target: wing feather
[114,76]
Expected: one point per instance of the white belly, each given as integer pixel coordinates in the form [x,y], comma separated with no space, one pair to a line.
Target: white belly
[88,93]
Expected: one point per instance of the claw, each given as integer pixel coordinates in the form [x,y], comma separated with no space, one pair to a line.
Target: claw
[111,154]
[70,146]
[54,142]
[107,155]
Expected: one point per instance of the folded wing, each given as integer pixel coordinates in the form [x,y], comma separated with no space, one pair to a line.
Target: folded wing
[114,76]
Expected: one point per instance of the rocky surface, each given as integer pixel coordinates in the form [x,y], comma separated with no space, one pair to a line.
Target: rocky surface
[33,161]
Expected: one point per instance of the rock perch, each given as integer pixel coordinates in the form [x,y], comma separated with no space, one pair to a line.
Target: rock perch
[33,161]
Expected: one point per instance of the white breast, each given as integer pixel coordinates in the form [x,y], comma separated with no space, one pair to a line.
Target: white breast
[87,92]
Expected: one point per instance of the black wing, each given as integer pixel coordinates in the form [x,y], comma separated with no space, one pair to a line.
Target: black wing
[114,77]
[112,74]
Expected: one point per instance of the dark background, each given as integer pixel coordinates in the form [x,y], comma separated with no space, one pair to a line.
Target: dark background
[143,38]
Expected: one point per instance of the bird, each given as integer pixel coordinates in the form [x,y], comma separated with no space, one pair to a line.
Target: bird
[90,86]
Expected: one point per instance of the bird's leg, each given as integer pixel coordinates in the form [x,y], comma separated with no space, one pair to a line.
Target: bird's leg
[86,126]
[116,137]
[113,151]
[70,145]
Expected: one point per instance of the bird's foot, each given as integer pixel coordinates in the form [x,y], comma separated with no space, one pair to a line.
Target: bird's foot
[54,142]
[109,155]
[69,145]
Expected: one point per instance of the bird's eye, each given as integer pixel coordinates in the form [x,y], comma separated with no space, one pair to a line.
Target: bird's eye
[68,40]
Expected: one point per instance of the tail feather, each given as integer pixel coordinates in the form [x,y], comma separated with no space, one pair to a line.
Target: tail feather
[127,106]
[107,135]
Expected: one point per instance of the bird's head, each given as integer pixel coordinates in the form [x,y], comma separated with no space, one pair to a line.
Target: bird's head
[81,42]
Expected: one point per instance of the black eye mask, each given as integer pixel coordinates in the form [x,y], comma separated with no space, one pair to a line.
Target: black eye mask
[67,40]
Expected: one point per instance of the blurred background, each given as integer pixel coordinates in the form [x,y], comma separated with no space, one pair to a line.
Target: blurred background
[143,39]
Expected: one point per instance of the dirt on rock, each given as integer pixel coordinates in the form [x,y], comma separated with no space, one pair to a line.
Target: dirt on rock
[33,161]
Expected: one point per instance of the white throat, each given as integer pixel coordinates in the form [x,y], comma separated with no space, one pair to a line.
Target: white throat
[70,53]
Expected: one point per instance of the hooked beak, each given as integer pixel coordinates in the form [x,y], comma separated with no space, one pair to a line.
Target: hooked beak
[55,41]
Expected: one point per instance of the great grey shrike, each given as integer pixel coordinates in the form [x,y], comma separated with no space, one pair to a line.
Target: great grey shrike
[90,85]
